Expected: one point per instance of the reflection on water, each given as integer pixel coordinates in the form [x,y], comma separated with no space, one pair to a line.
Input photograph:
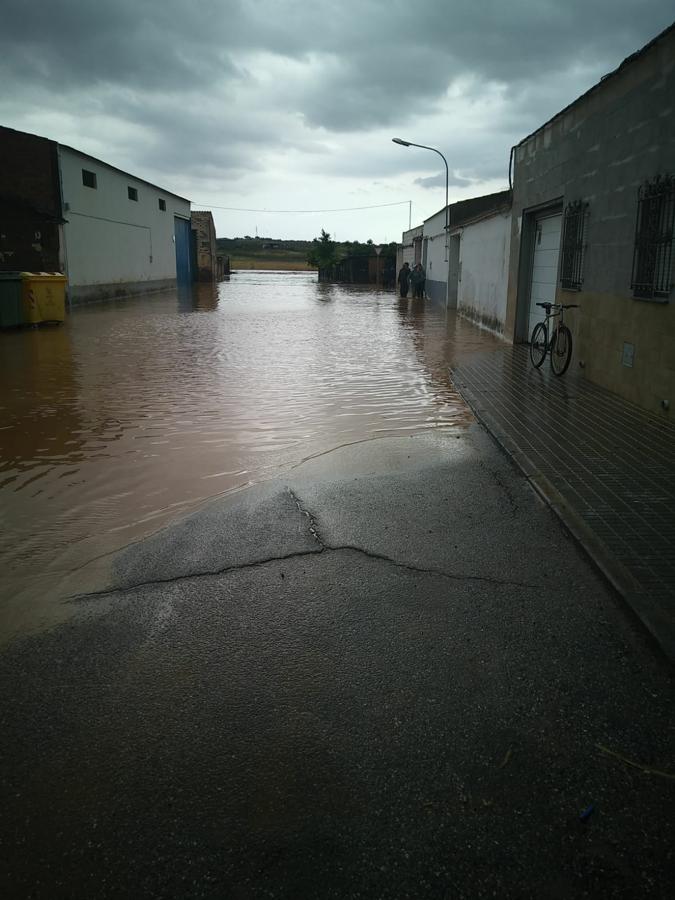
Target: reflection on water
[136,410]
[199,296]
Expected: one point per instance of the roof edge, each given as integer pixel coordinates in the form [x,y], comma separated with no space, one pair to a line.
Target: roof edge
[628,61]
[102,162]
[494,194]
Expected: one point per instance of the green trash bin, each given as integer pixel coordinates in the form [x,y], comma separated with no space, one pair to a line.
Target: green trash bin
[11,311]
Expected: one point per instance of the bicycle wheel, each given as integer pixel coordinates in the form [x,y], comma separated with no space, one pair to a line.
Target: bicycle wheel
[561,350]
[538,344]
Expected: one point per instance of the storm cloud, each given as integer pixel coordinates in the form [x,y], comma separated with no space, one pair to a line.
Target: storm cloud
[289,104]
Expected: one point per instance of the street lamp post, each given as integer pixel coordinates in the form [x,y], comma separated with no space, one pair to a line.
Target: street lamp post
[447,212]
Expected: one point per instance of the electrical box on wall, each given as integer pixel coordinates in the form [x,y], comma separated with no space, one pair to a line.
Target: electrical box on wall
[628,355]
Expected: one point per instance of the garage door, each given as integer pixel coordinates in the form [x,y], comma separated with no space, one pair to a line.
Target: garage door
[544,266]
[182,236]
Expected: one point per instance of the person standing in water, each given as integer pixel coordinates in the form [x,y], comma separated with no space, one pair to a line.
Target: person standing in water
[404,279]
[417,279]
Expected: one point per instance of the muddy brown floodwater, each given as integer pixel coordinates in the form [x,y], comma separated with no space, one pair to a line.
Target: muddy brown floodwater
[135,411]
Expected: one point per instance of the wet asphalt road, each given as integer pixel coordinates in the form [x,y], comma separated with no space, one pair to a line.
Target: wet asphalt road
[388,674]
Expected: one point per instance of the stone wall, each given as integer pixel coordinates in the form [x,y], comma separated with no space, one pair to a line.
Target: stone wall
[205,236]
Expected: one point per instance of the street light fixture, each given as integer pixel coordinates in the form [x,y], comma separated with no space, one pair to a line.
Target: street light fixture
[447,212]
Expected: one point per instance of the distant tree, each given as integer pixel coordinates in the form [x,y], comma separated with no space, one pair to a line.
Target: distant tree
[323,252]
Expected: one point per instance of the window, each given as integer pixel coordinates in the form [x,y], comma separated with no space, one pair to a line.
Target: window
[162,204]
[89,179]
[653,252]
[133,193]
[573,245]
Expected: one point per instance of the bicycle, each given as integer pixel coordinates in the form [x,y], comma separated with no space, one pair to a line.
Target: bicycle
[560,343]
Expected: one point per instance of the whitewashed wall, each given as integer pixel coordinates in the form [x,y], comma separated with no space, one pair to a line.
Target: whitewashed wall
[484,261]
[115,245]
[407,246]
[436,266]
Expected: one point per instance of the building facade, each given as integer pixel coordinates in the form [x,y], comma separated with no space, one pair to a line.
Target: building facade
[122,234]
[593,214]
[111,233]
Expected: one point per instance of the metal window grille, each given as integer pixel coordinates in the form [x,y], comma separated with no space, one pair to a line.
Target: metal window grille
[573,245]
[653,253]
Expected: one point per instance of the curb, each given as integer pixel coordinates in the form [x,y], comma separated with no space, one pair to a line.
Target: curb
[659,630]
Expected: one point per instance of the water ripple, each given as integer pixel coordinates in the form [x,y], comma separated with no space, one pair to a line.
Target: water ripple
[134,411]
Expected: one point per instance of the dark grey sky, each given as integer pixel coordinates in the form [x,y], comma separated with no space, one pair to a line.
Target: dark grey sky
[283,104]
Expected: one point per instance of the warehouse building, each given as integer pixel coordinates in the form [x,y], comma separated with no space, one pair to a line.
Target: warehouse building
[113,234]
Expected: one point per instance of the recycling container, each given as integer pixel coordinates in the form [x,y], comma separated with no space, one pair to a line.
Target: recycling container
[11,313]
[43,297]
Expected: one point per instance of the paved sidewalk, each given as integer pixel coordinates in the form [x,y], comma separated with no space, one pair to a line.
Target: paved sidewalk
[606,467]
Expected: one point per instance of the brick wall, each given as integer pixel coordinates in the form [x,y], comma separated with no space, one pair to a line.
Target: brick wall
[30,202]
[29,170]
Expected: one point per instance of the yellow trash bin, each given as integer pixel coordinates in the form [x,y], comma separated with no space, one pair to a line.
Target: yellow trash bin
[43,297]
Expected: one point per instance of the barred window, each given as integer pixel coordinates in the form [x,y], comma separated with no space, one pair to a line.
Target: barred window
[653,252]
[573,245]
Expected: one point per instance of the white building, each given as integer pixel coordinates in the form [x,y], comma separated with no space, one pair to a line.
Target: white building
[471,273]
[437,264]
[122,235]
[110,232]
[410,249]
[483,271]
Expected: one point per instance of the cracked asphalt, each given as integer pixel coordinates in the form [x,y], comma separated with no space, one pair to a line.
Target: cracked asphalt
[390,673]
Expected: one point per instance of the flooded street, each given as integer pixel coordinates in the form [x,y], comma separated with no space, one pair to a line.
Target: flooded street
[136,411]
[368,639]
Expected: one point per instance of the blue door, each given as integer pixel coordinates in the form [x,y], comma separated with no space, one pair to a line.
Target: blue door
[181,229]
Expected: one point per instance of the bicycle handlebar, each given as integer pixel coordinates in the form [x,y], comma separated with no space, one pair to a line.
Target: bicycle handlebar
[558,305]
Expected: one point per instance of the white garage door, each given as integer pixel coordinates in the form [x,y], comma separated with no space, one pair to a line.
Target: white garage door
[544,266]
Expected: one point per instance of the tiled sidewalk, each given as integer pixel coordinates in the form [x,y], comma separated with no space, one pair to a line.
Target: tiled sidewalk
[606,467]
